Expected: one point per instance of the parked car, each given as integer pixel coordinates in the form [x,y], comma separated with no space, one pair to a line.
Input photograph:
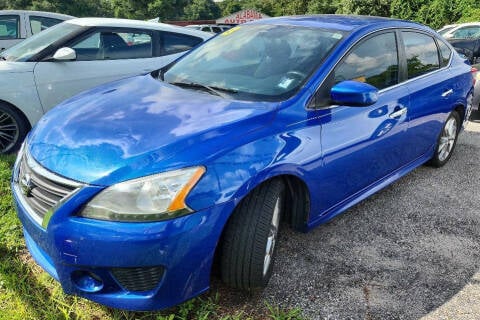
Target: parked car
[476,90]
[79,54]
[128,192]
[462,31]
[213,28]
[469,47]
[17,25]
[446,28]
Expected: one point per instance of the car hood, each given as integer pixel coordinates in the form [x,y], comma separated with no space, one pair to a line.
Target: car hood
[14,67]
[139,126]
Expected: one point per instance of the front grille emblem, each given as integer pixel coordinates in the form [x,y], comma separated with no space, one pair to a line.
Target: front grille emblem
[26,185]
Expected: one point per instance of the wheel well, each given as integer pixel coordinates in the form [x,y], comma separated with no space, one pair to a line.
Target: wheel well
[19,112]
[461,111]
[297,202]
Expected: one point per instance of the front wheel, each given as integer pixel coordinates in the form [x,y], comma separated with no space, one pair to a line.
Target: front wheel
[249,241]
[447,140]
[13,129]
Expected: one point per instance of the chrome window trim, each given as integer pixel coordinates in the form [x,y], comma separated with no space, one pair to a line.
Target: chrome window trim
[393,29]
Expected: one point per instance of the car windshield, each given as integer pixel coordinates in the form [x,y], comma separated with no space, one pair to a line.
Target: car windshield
[445,30]
[32,46]
[256,62]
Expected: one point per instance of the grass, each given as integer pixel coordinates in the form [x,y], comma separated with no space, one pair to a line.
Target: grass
[27,292]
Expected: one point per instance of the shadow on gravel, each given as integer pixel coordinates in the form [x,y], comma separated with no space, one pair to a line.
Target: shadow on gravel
[400,254]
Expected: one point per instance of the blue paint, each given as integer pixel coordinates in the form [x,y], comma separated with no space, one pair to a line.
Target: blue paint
[140,126]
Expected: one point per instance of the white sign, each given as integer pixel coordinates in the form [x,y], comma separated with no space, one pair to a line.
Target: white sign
[242,17]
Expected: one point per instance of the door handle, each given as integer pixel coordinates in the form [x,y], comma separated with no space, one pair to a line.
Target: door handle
[398,113]
[447,93]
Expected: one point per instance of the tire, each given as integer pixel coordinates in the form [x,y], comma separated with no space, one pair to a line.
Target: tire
[248,250]
[13,128]
[447,140]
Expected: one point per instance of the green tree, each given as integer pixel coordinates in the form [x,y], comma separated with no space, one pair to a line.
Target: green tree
[201,10]
[366,7]
[322,6]
[79,8]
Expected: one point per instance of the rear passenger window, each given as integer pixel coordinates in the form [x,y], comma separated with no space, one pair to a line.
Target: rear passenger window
[176,42]
[422,53]
[9,27]
[445,53]
[110,45]
[374,61]
[38,24]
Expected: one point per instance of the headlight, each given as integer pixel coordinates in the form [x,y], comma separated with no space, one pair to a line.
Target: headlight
[157,197]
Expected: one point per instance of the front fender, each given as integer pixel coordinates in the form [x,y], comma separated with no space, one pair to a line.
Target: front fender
[242,169]
[19,90]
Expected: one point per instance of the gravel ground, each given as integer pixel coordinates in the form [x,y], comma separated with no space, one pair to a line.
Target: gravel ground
[410,251]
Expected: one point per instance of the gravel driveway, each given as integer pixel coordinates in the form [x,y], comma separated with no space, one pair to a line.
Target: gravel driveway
[410,251]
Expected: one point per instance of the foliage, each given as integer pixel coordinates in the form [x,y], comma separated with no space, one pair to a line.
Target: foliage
[434,13]
[201,9]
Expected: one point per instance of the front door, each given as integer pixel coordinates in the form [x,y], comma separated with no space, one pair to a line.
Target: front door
[362,145]
[10,31]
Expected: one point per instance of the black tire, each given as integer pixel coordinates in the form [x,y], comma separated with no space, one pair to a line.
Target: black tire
[13,128]
[244,251]
[447,139]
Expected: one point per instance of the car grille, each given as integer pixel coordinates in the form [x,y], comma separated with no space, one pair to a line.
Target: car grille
[39,190]
[138,279]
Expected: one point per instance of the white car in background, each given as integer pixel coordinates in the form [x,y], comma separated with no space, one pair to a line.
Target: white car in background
[213,28]
[461,31]
[74,56]
[17,25]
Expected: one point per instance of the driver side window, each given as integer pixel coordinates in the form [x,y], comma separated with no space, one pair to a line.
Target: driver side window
[374,61]
[114,45]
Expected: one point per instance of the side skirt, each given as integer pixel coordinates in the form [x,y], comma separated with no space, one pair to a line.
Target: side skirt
[368,191]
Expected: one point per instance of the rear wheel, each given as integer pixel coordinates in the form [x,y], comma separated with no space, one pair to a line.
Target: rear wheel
[447,140]
[13,128]
[250,238]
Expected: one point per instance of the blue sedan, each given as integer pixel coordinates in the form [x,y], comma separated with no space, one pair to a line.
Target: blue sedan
[129,192]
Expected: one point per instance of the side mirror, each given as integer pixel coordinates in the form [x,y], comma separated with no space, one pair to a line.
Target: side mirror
[65,54]
[354,93]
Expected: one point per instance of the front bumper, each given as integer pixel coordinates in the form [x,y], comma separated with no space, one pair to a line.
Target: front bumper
[87,256]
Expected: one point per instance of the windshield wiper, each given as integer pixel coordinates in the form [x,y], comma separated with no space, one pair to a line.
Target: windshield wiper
[215,90]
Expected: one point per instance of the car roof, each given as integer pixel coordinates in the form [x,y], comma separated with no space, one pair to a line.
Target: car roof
[339,22]
[37,13]
[113,22]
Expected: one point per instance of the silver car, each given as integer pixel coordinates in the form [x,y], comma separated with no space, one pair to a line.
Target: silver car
[17,25]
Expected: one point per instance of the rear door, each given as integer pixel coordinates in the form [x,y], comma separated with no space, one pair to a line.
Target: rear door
[10,31]
[103,55]
[432,91]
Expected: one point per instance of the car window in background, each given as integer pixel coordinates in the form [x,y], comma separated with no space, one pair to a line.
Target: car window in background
[445,53]
[466,32]
[9,27]
[112,45]
[257,62]
[38,24]
[374,61]
[216,29]
[422,53]
[445,30]
[34,45]
[175,42]
[206,29]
